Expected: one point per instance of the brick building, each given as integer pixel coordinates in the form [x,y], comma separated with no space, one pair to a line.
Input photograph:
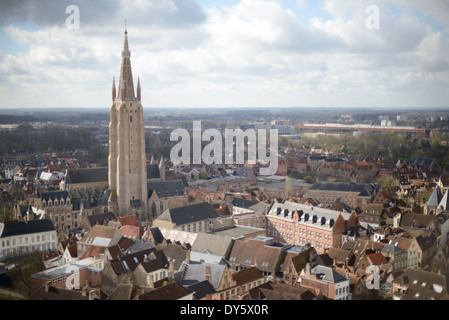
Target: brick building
[298,224]
[352,194]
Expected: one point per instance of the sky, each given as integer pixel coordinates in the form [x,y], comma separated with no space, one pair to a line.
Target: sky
[363,54]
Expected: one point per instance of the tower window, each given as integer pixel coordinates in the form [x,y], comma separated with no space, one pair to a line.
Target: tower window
[131,119]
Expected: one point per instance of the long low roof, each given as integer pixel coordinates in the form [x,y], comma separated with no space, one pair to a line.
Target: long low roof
[10,229]
[284,211]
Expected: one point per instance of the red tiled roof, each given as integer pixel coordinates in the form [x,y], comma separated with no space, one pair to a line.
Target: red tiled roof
[377,258]
[128,221]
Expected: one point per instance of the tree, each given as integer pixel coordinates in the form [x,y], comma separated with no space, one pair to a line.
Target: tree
[203,175]
[387,184]
[25,265]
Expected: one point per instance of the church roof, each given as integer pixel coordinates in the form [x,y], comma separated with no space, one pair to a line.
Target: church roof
[86,175]
[444,203]
[9,229]
[54,195]
[189,214]
[165,188]
[153,171]
[435,198]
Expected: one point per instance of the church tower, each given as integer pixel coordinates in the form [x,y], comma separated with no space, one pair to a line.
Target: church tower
[127,161]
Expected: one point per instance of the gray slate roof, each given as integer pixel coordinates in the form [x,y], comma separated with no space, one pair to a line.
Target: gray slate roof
[86,175]
[101,174]
[435,198]
[9,229]
[444,203]
[153,171]
[195,273]
[54,195]
[243,203]
[165,188]
[201,289]
[189,214]
[422,162]
[364,189]
[328,274]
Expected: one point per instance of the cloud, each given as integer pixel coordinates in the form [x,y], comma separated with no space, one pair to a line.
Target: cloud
[253,53]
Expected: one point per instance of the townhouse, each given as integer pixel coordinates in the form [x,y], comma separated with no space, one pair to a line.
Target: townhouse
[26,236]
[299,224]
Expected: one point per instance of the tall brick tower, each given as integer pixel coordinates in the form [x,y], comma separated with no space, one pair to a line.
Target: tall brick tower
[127,160]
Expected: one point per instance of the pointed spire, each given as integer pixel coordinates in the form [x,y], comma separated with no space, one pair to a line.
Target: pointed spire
[126,86]
[114,91]
[138,88]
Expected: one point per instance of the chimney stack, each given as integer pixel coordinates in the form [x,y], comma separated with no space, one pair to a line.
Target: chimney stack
[47,285]
[207,273]
[172,270]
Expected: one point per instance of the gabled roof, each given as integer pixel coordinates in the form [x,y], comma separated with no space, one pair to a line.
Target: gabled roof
[444,203]
[153,171]
[435,198]
[364,189]
[99,235]
[64,294]
[9,229]
[172,291]
[377,258]
[122,292]
[155,261]
[246,275]
[422,285]
[339,255]
[255,253]
[415,220]
[327,274]
[129,262]
[54,195]
[128,221]
[86,175]
[175,253]
[201,289]
[190,214]
[196,273]
[165,188]
[243,203]
[422,162]
[101,218]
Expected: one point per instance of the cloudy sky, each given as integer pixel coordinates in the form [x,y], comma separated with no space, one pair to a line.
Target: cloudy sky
[227,53]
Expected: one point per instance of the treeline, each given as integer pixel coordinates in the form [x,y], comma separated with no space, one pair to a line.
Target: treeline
[50,138]
[390,145]
[12,118]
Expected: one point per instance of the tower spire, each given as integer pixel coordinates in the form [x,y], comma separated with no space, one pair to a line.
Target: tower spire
[138,88]
[114,91]
[126,85]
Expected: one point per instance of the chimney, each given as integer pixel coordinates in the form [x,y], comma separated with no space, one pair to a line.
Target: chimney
[308,270]
[47,285]
[172,269]
[188,257]
[207,273]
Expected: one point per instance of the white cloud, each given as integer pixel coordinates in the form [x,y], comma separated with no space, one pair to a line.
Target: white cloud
[254,53]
